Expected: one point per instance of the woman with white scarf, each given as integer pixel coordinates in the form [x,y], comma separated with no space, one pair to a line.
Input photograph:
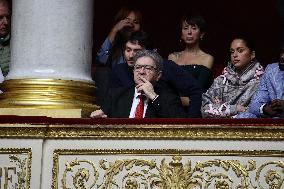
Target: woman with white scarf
[232,91]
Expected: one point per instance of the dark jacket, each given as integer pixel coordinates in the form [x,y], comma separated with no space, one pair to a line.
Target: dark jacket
[174,79]
[119,101]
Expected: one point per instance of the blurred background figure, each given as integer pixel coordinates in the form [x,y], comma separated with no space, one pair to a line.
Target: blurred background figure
[5,25]
[127,21]
[232,91]
[193,59]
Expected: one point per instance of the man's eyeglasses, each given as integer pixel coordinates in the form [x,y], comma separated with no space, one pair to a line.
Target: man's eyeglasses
[146,67]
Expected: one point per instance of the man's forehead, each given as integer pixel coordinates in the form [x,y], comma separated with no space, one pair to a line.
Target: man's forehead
[145,60]
[3,4]
[133,45]
[4,8]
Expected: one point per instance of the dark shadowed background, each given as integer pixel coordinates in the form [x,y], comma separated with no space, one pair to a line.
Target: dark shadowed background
[224,17]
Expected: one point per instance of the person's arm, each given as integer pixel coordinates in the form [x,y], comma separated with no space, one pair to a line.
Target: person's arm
[261,96]
[205,76]
[104,52]
[106,48]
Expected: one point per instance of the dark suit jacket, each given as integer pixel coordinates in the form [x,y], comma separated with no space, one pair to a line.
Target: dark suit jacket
[174,79]
[119,101]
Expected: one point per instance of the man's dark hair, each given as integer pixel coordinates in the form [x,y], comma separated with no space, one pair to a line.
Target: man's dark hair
[141,38]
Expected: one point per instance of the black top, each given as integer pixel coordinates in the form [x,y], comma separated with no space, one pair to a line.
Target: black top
[201,73]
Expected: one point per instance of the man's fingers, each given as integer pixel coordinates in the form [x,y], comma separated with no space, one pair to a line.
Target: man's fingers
[144,79]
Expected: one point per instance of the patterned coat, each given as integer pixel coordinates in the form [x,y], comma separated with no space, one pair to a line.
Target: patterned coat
[229,90]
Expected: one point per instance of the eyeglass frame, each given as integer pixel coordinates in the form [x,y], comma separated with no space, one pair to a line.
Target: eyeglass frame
[145,67]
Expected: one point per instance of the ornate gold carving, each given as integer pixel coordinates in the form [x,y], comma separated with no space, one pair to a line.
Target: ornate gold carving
[23,165]
[82,175]
[22,131]
[156,131]
[131,179]
[134,173]
[168,132]
[273,177]
[48,94]
[22,173]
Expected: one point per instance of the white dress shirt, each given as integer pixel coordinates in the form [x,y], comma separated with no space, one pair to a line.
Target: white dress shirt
[135,102]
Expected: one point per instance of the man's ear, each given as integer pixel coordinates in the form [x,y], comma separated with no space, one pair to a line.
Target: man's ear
[159,76]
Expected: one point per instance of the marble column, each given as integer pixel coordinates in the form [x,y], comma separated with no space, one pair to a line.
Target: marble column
[51,55]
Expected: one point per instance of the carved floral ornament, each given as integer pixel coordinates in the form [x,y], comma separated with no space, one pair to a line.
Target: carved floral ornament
[15,168]
[174,173]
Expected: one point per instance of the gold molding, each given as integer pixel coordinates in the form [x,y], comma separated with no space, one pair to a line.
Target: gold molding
[177,172]
[22,131]
[178,132]
[27,174]
[48,94]
[170,132]
[243,153]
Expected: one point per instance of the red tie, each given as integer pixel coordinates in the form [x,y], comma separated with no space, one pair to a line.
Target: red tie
[140,108]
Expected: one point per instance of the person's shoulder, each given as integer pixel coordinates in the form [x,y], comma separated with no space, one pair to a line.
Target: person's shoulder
[170,65]
[120,67]
[174,56]
[219,79]
[208,60]
[274,67]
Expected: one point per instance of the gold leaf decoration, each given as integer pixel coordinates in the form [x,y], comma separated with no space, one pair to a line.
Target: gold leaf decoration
[22,173]
[273,172]
[82,176]
[139,170]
